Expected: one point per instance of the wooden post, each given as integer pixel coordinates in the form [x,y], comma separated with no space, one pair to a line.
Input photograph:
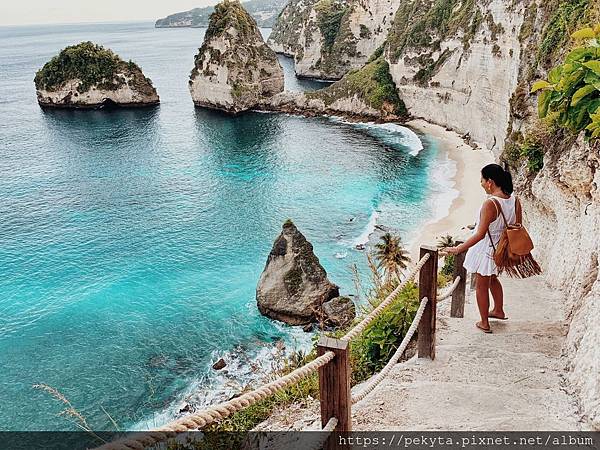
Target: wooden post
[428,288]
[334,390]
[473,282]
[458,296]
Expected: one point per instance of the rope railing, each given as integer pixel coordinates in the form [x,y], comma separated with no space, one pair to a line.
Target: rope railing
[373,382]
[450,290]
[360,327]
[218,412]
[334,384]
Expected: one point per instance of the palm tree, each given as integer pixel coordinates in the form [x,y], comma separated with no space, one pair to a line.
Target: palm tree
[445,242]
[392,256]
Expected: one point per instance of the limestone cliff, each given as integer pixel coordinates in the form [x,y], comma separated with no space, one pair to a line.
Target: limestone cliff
[234,69]
[454,63]
[328,38]
[469,65]
[89,76]
[558,179]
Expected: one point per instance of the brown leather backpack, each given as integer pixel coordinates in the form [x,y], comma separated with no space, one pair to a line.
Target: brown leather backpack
[513,253]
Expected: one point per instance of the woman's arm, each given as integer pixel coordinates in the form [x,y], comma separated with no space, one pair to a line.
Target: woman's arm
[489,213]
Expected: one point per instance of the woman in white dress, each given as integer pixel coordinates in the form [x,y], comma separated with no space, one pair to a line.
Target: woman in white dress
[497,183]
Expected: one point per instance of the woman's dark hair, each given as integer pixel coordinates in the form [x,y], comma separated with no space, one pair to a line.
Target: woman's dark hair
[498,175]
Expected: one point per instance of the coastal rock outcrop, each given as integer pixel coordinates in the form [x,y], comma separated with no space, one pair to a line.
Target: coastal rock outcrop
[368,92]
[294,288]
[328,38]
[234,69]
[89,76]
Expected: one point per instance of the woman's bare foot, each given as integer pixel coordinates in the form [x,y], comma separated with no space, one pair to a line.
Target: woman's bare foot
[493,314]
[483,328]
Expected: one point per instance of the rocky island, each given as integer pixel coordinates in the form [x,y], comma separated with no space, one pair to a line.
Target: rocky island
[234,69]
[87,75]
[264,12]
[294,287]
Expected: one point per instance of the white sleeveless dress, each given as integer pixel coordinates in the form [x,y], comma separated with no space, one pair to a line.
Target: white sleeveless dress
[479,258]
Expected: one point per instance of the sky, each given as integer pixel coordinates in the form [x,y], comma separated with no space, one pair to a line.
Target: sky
[25,12]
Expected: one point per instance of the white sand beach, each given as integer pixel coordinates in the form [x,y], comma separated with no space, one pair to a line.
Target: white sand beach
[464,208]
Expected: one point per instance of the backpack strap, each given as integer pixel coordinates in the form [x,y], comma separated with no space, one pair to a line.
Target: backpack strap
[499,208]
[518,210]
[498,213]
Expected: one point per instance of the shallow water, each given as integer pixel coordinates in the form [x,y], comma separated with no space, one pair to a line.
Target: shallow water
[131,241]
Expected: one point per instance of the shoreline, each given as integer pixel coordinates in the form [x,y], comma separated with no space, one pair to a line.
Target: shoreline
[466,180]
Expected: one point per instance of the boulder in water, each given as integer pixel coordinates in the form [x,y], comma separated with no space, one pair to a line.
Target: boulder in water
[293,287]
[220,364]
[339,311]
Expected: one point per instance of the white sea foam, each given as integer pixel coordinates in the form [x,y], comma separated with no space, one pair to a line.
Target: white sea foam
[341,255]
[244,368]
[369,229]
[442,190]
[399,134]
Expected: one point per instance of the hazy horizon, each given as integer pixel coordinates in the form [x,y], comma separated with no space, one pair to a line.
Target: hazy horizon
[30,12]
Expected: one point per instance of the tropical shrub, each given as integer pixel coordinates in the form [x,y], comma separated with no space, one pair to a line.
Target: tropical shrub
[571,95]
[371,351]
[533,151]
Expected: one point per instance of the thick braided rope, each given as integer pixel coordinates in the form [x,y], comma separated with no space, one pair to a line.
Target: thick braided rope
[217,412]
[450,290]
[323,435]
[373,382]
[360,327]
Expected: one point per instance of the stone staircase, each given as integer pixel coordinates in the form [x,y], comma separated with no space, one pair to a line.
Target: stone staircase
[509,380]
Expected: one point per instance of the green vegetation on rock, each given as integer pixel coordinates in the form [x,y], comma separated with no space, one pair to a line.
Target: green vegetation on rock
[542,52]
[421,25]
[570,96]
[565,18]
[229,14]
[329,18]
[93,65]
[372,83]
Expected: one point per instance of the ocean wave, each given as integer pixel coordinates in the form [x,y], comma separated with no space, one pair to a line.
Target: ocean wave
[398,133]
[369,229]
[442,191]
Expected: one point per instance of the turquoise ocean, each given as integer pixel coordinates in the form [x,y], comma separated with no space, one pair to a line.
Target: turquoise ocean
[131,241]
